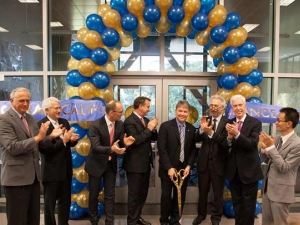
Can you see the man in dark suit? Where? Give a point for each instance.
(212, 160)
(56, 164)
(106, 134)
(243, 166)
(20, 174)
(283, 154)
(138, 158)
(177, 150)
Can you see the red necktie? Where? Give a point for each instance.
(240, 125)
(143, 121)
(25, 124)
(111, 133)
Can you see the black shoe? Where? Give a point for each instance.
(197, 220)
(141, 221)
(215, 223)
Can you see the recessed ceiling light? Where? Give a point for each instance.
(56, 24)
(3, 30)
(298, 32)
(264, 49)
(29, 1)
(249, 26)
(286, 2)
(34, 47)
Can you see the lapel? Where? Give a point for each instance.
(187, 133)
(103, 127)
(138, 120)
(285, 147)
(19, 122)
(221, 124)
(175, 129)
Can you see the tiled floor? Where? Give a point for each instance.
(294, 219)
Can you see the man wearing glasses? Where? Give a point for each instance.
(19, 136)
(106, 135)
(211, 160)
(283, 155)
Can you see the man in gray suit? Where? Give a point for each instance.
(20, 174)
(283, 154)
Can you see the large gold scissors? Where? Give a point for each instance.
(178, 181)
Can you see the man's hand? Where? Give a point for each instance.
(232, 129)
(128, 140)
(172, 173)
(187, 171)
(67, 135)
(152, 124)
(266, 140)
(115, 148)
(42, 132)
(74, 137)
(205, 128)
(56, 132)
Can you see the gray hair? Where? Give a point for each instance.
(183, 103)
(218, 97)
(48, 102)
(19, 89)
(235, 97)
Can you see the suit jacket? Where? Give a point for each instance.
(169, 146)
(243, 157)
(20, 158)
(100, 146)
(283, 170)
(56, 157)
(136, 158)
(214, 147)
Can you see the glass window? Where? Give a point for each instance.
(23, 25)
(58, 86)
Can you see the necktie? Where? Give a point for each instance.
(279, 144)
(215, 124)
(143, 121)
(25, 124)
(111, 133)
(240, 125)
(181, 132)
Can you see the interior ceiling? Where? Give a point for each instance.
(25, 20)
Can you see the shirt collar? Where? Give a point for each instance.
(108, 122)
(20, 115)
(287, 136)
(137, 115)
(243, 119)
(180, 123)
(51, 120)
(218, 118)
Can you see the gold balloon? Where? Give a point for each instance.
(86, 67)
(164, 6)
(102, 9)
(236, 37)
(144, 29)
(72, 91)
(254, 63)
(112, 19)
(83, 146)
(109, 68)
(84, 124)
(243, 66)
(193, 116)
(244, 89)
(81, 34)
(163, 25)
(108, 94)
(92, 39)
(136, 7)
(217, 16)
(72, 64)
(73, 197)
(183, 29)
(99, 93)
(113, 53)
(216, 51)
(202, 37)
(101, 196)
(256, 91)
(81, 175)
(125, 38)
(83, 198)
(226, 195)
(258, 193)
(128, 111)
(224, 68)
(190, 8)
(226, 94)
(86, 90)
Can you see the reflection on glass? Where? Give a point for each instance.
(58, 85)
(33, 84)
(126, 94)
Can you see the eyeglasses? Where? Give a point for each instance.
(278, 120)
(119, 111)
(215, 106)
(55, 108)
(22, 101)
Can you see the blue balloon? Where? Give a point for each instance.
(76, 211)
(219, 82)
(101, 100)
(178, 2)
(77, 159)
(99, 56)
(228, 209)
(199, 22)
(101, 184)
(229, 81)
(258, 208)
(206, 47)
(94, 22)
(217, 61)
(149, 2)
(129, 22)
(254, 77)
(75, 97)
(100, 209)
(79, 51)
(79, 130)
(120, 6)
(176, 14)
(172, 28)
(191, 35)
(227, 185)
(100, 80)
(74, 78)
(110, 37)
(134, 35)
(255, 100)
(218, 34)
(207, 6)
(151, 14)
(76, 186)
(231, 55)
(260, 184)
(247, 49)
(233, 21)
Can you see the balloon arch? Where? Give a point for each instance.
(116, 25)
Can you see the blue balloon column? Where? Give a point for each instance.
(116, 25)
